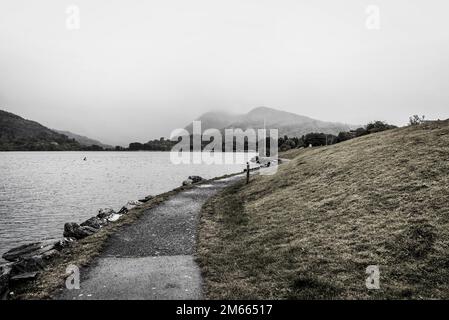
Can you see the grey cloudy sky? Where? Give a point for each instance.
(136, 69)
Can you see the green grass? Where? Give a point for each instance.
(310, 231)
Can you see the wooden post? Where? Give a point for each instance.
(247, 172)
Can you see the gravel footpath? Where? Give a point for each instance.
(153, 257)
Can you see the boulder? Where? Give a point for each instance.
(105, 213)
(146, 199)
(28, 250)
(129, 205)
(114, 217)
(123, 210)
(49, 254)
(5, 274)
(28, 260)
(89, 229)
(24, 276)
(64, 243)
(93, 222)
(15, 253)
(27, 265)
(132, 204)
(74, 230)
(104, 222)
(191, 180)
(196, 179)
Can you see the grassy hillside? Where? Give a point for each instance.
(310, 231)
(18, 134)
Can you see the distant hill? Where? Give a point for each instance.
(290, 124)
(215, 120)
(84, 141)
(19, 134)
(287, 123)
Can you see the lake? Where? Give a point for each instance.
(40, 191)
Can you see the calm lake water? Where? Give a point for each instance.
(40, 191)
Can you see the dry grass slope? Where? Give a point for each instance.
(310, 231)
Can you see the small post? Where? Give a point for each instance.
(247, 172)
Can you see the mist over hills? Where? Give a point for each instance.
(215, 120)
(19, 134)
(290, 124)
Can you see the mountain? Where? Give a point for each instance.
(19, 134)
(84, 141)
(290, 124)
(214, 120)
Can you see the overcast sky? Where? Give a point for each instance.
(136, 69)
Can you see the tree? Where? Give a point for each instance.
(378, 126)
(360, 132)
(415, 120)
(344, 135)
(135, 146)
(315, 139)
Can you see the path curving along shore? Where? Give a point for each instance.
(153, 257)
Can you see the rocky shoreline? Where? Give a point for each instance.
(24, 263)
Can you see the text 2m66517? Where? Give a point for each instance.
(252, 309)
